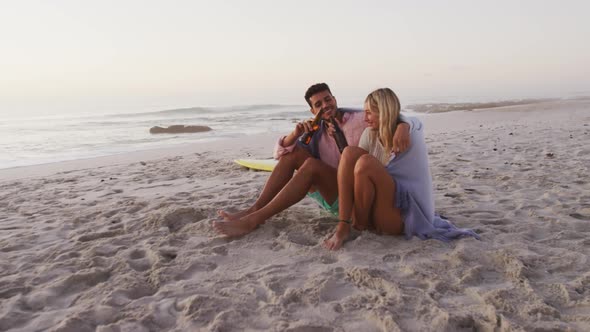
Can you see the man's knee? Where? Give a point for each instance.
(316, 168)
(311, 165)
(294, 159)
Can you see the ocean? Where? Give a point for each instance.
(38, 140)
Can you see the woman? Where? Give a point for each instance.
(388, 193)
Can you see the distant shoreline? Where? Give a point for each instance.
(467, 106)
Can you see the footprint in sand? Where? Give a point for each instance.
(10, 291)
(328, 260)
(391, 258)
(473, 191)
(65, 291)
(176, 219)
(135, 207)
(196, 268)
(372, 279)
(121, 297)
(310, 328)
(67, 255)
(168, 254)
(137, 254)
(141, 260)
(15, 247)
(112, 192)
(301, 239)
(482, 215)
(276, 246)
(115, 225)
(500, 221)
(579, 216)
(219, 250)
(100, 235)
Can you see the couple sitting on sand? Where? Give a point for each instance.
(380, 182)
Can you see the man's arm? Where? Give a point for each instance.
(291, 138)
(286, 144)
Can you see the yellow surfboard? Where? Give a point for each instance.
(258, 164)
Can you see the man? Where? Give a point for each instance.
(316, 164)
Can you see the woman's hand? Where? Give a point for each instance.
(401, 138)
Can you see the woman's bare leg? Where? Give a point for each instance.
(282, 173)
(374, 191)
(348, 160)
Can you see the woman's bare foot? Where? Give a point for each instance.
(335, 241)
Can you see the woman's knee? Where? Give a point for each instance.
(365, 165)
(352, 152)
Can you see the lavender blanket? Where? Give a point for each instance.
(414, 193)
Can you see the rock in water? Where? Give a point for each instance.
(178, 129)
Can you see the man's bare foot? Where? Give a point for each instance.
(233, 216)
(233, 228)
(335, 241)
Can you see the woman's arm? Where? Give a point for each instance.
(401, 138)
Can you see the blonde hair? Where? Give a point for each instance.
(385, 102)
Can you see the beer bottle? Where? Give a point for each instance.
(339, 136)
(315, 125)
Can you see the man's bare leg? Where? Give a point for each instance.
(349, 158)
(313, 172)
(280, 176)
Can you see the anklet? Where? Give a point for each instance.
(345, 221)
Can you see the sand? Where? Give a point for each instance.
(124, 243)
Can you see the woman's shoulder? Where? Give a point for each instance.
(365, 134)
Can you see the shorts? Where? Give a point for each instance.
(333, 209)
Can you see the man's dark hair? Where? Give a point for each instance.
(319, 87)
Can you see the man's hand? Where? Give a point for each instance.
(330, 127)
(300, 128)
(401, 138)
(307, 125)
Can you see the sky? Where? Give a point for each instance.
(124, 56)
